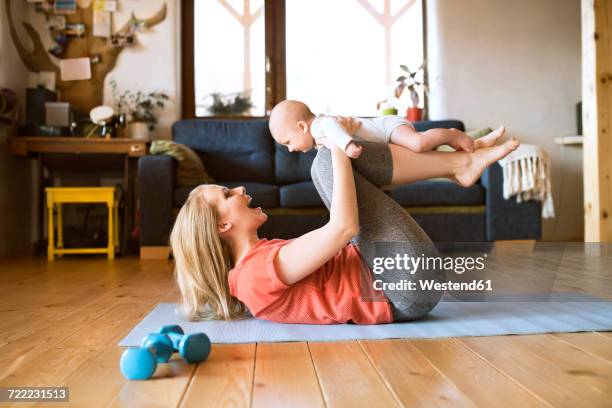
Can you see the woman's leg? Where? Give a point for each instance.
(386, 229)
(463, 167)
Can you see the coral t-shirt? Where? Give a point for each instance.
(340, 291)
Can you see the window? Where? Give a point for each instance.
(229, 55)
(340, 56)
(343, 56)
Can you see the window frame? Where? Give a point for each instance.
(276, 80)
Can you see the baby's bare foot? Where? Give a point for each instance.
(462, 142)
(490, 139)
(482, 158)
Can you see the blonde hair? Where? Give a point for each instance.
(202, 263)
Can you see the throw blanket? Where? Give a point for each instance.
(190, 170)
(527, 175)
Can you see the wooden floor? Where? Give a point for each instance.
(60, 324)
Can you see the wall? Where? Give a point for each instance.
(16, 197)
(152, 64)
(515, 63)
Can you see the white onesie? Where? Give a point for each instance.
(376, 129)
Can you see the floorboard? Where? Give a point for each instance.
(225, 380)
(347, 376)
(474, 376)
(412, 377)
(285, 377)
(590, 342)
(542, 377)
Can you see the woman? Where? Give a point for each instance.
(224, 270)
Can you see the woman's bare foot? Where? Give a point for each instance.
(482, 158)
(490, 139)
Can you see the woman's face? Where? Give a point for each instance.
(233, 209)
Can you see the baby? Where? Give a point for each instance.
(293, 125)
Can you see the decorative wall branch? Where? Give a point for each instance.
(36, 60)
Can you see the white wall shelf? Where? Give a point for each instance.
(570, 140)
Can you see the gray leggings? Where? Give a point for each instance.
(386, 229)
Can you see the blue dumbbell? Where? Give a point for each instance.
(139, 363)
(192, 347)
(160, 344)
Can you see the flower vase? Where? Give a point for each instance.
(414, 114)
(140, 131)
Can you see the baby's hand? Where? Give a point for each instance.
(349, 123)
(353, 150)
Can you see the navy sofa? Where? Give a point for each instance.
(242, 152)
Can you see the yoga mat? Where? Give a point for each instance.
(448, 319)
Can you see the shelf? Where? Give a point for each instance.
(569, 140)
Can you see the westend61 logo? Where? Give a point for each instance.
(412, 264)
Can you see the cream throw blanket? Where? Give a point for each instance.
(527, 175)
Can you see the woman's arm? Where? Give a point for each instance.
(307, 253)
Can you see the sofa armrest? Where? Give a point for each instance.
(156, 192)
(507, 219)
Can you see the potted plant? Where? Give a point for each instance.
(409, 82)
(140, 108)
(237, 103)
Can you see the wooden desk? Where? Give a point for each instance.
(58, 153)
(26, 145)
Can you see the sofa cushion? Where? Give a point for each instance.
(303, 194)
(436, 193)
(424, 125)
(453, 227)
(230, 149)
(292, 167)
(264, 195)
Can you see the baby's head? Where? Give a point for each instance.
(290, 125)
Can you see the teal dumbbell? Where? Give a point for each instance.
(160, 344)
(192, 347)
(140, 363)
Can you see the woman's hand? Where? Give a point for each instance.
(349, 123)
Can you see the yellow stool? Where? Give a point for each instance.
(61, 195)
